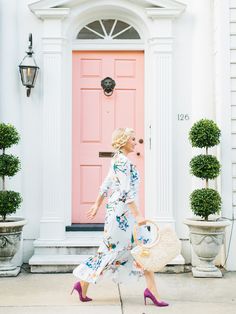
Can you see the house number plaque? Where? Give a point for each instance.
(183, 117)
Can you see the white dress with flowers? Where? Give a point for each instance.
(113, 257)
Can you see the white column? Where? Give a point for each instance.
(52, 224)
(161, 128)
(202, 70)
(202, 61)
(160, 190)
(223, 117)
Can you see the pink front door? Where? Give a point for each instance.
(96, 115)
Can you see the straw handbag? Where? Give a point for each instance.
(156, 255)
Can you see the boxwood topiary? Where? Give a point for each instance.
(8, 136)
(204, 133)
(9, 166)
(204, 202)
(9, 202)
(205, 166)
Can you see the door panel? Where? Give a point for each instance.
(95, 116)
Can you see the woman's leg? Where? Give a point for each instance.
(84, 285)
(151, 285)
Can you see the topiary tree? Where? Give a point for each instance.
(204, 134)
(9, 166)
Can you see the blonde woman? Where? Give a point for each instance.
(113, 257)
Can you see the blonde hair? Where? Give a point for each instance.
(120, 137)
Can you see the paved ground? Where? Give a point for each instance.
(50, 294)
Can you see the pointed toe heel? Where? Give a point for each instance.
(148, 294)
(78, 288)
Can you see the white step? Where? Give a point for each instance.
(55, 263)
(76, 243)
(64, 255)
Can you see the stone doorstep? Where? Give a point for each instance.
(55, 263)
(66, 263)
(64, 255)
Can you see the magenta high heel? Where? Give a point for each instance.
(78, 288)
(148, 294)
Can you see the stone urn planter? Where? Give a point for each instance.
(10, 238)
(206, 238)
(206, 235)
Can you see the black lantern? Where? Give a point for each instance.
(28, 68)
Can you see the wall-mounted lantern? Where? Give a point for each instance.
(28, 68)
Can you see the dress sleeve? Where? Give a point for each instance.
(104, 188)
(122, 172)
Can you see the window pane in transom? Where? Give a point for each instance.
(87, 34)
(120, 26)
(129, 33)
(108, 29)
(96, 26)
(108, 25)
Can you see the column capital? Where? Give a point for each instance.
(55, 13)
(161, 44)
(167, 13)
(53, 44)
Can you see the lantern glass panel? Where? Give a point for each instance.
(28, 75)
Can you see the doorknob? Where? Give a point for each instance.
(140, 141)
(138, 154)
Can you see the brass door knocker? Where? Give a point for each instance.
(108, 85)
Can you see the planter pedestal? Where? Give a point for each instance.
(10, 237)
(10, 273)
(206, 238)
(205, 272)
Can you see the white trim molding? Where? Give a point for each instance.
(160, 4)
(57, 13)
(163, 13)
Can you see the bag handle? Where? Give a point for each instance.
(146, 245)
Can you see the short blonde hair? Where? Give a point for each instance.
(120, 137)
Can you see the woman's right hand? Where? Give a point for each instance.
(92, 211)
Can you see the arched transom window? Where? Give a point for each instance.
(108, 29)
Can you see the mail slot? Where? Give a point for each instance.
(106, 154)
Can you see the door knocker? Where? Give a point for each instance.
(108, 84)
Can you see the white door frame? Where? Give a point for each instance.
(60, 26)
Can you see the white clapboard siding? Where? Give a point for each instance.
(233, 28)
(233, 98)
(233, 53)
(233, 112)
(233, 92)
(233, 127)
(233, 39)
(233, 84)
(234, 169)
(234, 198)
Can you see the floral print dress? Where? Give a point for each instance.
(113, 258)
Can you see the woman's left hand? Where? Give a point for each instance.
(140, 220)
(92, 212)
